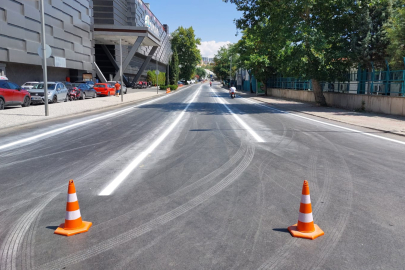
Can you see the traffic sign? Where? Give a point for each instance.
(48, 51)
(157, 72)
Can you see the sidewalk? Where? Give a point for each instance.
(381, 122)
(17, 116)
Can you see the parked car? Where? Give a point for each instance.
(57, 91)
(84, 90)
(144, 84)
(104, 89)
(12, 94)
(28, 85)
(123, 87)
(180, 82)
(90, 83)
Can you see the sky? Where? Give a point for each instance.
(212, 20)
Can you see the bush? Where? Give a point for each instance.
(173, 87)
(163, 87)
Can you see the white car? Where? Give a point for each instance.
(28, 85)
(192, 81)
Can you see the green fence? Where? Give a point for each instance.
(385, 82)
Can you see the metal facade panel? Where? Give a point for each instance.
(67, 21)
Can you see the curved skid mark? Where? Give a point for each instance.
(155, 223)
(13, 240)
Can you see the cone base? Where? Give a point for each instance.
(84, 228)
(315, 234)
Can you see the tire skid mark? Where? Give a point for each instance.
(282, 255)
(14, 238)
(155, 223)
(226, 166)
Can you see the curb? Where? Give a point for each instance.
(82, 113)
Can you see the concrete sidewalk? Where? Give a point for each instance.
(18, 116)
(381, 122)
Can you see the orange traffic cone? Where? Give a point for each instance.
(167, 90)
(305, 228)
(73, 220)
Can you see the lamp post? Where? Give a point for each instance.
(230, 71)
(44, 69)
(121, 71)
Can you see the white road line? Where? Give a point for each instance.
(134, 163)
(58, 130)
(324, 123)
(240, 121)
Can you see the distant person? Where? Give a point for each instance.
(210, 84)
(232, 90)
(117, 89)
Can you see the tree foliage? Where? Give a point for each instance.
(151, 77)
(185, 43)
(174, 68)
(306, 39)
(222, 62)
(395, 28)
(200, 72)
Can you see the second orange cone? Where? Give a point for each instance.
(73, 220)
(305, 228)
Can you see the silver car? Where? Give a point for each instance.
(57, 91)
(123, 87)
(28, 85)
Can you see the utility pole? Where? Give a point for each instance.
(230, 72)
(121, 72)
(157, 77)
(44, 69)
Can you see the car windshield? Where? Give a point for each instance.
(99, 85)
(76, 84)
(41, 86)
(29, 83)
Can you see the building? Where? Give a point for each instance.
(207, 60)
(84, 36)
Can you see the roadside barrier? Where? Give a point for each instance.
(73, 220)
(305, 228)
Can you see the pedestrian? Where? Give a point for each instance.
(117, 89)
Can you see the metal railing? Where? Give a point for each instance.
(384, 82)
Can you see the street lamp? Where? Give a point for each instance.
(230, 71)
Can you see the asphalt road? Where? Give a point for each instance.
(195, 180)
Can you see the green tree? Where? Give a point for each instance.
(185, 43)
(222, 62)
(396, 33)
(174, 68)
(200, 72)
(308, 39)
(151, 77)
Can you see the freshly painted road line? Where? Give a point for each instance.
(134, 163)
(324, 123)
(58, 130)
(240, 121)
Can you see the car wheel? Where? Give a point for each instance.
(95, 95)
(1, 104)
(27, 102)
(55, 99)
(84, 96)
(66, 98)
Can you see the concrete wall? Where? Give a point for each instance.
(377, 104)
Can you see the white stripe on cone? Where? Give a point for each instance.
(72, 215)
(305, 199)
(306, 218)
(71, 197)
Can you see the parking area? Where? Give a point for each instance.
(13, 116)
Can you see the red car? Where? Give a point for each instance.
(104, 89)
(12, 94)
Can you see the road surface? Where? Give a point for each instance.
(196, 180)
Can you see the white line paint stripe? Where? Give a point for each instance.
(305, 199)
(72, 215)
(328, 124)
(71, 197)
(240, 121)
(55, 131)
(134, 163)
(305, 217)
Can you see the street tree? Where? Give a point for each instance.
(395, 28)
(222, 62)
(185, 43)
(309, 38)
(200, 72)
(174, 68)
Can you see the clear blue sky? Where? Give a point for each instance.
(212, 20)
